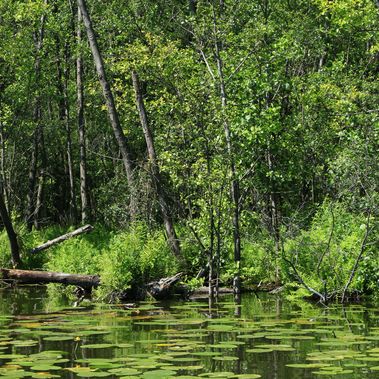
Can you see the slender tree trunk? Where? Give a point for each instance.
(274, 217)
(64, 116)
(81, 127)
(3, 172)
(15, 249)
(155, 172)
(70, 163)
(32, 177)
(41, 181)
(234, 190)
(109, 100)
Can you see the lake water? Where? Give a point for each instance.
(265, 336)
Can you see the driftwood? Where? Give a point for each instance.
(46, 245)
(86, 282)
(163, 288)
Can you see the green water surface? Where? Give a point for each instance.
(263, 337)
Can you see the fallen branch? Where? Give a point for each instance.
(321, 297)
(46, 245)
(38, 277)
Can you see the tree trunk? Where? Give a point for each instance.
(234, 190)
(37, 277)
(274, 216)
(32, 177)
(109, 100)
(4, 178)
(15, 249)
(64, 237)
(64, 115)
(155, 172)
(70, 164)
(39, 199)
(41, 180)
(81, 128)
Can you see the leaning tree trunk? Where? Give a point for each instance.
(15, 249)
(111, 107)
(155, 172)
(81, 127)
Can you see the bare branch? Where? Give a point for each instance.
(359, 257)
(301, 281)
(207, 64)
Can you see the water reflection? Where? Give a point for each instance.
(247, 337)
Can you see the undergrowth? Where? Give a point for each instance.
(323, 254)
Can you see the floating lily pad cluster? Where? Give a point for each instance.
(189, 340)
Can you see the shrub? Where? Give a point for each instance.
(335, 237)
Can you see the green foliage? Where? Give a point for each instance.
(119, 258)
(300, 101)
(78, 255)
(5, 256)
(258, 263)
(325, 254)
(194, 283)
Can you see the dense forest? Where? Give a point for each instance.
(236, 141)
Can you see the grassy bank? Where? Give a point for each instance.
(323, 255)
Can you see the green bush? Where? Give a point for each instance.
(5, 256)
(334, 237)
(136, 256)
(258, 263)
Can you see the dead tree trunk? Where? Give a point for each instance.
(64, 237)
(109, 100)
(163, 288)
(81, 127)
(37, 277)
(15, 249)
(155, 172)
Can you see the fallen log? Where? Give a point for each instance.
(86, 282)
(164, 287)
(64, 237)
